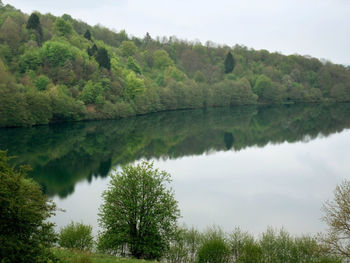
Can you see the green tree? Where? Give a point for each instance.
(139, 211)
(76, 236)
(262, 85)
(30, 60)
(41, 82)
(56, 53)
(229, 63)
(25, 233)
(128, 48)
(91, 92)
(134, 86)
(87, 34)
(63, 27)
(132, 64)
(162, 59)
(34, 24)
(103, 59)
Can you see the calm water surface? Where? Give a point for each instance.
(245, 166)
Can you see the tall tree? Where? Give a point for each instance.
(103, 59)
(87, 34)
(33, 21)
(229, 63)
(34, 24)
(139, 212)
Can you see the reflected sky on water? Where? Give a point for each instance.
(279, 185)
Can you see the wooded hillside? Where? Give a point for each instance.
(62, 69)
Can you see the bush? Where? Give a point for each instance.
(214, 250)
(77, 236)
(41, 82)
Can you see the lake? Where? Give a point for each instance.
(248, 167)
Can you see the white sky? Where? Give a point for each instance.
(320, 28)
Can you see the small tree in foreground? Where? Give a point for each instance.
(25, 234)
(77, 236)
(337, 216)
(139, 212)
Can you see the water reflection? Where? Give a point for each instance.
(64, 154)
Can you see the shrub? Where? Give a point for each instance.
(76, 235)
(41, 82)
(214, 250)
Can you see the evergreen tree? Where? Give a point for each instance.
(229, 63)
(87, 34)
(33, 22)
(92, 51)
(103, 59)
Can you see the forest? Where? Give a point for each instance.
(55, 69)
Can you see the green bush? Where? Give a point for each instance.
(41, 82)
(77, 236)
(214, 250)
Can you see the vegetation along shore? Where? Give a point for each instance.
(55, 69)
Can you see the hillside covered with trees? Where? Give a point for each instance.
(61, 69)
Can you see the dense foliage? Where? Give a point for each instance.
(139, 213)
(61, 69)
(76, 236)
(25, 234)
(215, 246)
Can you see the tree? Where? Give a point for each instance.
(337, 216)
(128, 48)
(162, 59)
(33, 22)
(229, 63)
(63, 27)
(41, 82)
(139, 212)
(87, 34)
(25, 233)
(103, 59)
(134, 86)
(56, 53)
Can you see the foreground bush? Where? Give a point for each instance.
(25, 234)
(77, 236)
(214, 251)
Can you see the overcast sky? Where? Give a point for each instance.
(320, 28)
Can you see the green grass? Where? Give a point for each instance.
(74, 256)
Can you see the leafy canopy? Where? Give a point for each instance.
(25, 233)
(139, 211)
